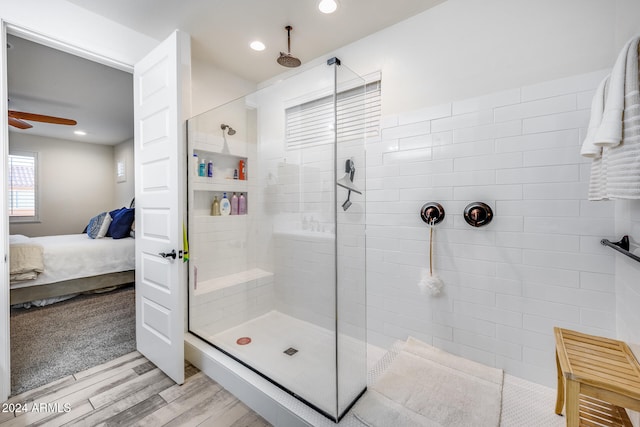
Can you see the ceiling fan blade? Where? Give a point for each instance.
(41, 118)
(19, 123)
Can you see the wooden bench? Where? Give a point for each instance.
(597, 378)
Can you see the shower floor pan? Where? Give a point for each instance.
(298, 356)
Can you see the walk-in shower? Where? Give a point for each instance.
(280, 286)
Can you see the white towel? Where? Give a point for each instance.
(615, 172)
(623, 82)
(589, 148)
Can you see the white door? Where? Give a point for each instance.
(161, 107)
(5, 349)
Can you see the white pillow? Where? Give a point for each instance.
(99, 225)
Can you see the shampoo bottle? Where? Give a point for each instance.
(234, 204)
(196, 165)
(202, 169)
(225, 206)
(241, 174)
(242, 205)
(210, 169)
(215, 207)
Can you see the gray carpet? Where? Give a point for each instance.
(51, 342)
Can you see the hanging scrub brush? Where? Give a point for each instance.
(432, 283)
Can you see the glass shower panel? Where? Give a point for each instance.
(265, 287)
(351, 119)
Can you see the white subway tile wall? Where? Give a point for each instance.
(539, 264)
(627, 273)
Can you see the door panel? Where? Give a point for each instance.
(160, 151)
(5, 349)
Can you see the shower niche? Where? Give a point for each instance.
(281, 290)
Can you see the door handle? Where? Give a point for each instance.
(171, 254)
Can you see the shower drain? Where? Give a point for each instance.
(290, 351)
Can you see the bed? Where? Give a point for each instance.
(45, 269)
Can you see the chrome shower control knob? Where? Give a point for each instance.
(432, 213)
(478, 214)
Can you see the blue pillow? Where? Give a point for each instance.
(121, 224)
(98, 225)
(112, 214)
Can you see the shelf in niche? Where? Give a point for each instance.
(217, 150)
(220, 185)
(247, 277)
(204, 218)
(224, 165)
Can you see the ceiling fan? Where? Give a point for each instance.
(18, 119)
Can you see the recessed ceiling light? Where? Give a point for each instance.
(80, 132)
(257, 45)
(328, 6)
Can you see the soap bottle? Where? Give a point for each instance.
(241, 174)
(234, 204)
(215, 207)
(196, 164)
(225, 205)
(242, 205)
(202, 170)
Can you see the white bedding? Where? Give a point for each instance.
(73, 256)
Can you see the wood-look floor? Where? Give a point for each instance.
(128, 391)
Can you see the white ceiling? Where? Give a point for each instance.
(46, 81)
(221, 30)
(43, 80)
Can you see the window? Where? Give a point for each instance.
(311, 124)
(23, 187)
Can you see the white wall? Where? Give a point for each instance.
(539, 264)
(464, 48)
(124, 191)
(627, 285)
(76, 182)
(211, 87)
(627, 271)
(488, 101)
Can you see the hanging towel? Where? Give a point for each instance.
(615, 171)
(623, 84)
(589, 148)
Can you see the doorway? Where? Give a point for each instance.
(162, 79)
(77, 174)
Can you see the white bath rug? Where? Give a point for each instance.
(425, 386)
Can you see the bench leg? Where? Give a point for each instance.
(560, 393)
(572, 391)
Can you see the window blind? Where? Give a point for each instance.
(358, 116)
(22, 186)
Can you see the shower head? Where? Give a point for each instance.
(286, 59)
(230, 130)
(347, 180)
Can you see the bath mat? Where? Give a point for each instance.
(425, 386)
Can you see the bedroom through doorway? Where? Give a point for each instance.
(71, 213)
